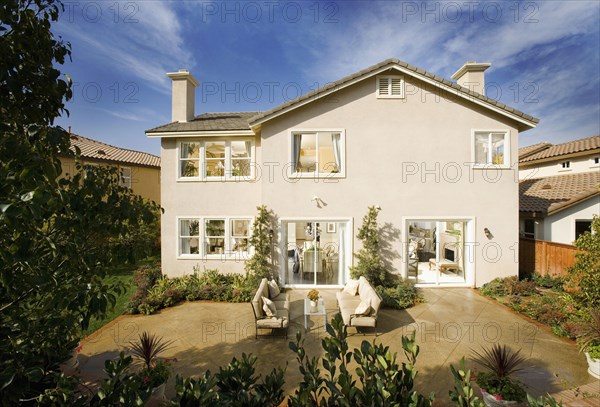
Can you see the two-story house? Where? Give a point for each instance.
(139, 171)
(559, 189)
(438, 157)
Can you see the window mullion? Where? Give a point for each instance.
(228, 165)
(490, 147)
(316, 171)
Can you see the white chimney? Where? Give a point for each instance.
(471, 76)
(183, 99)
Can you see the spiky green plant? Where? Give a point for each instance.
(588, 333)
(148, 347)
(502, 362)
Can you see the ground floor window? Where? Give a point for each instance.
(435, 251)
(217, 237)
(529, 231)
(315, 253)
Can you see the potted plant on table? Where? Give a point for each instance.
(155, 372)
(313, 296)
(588, 338)
(497, 386)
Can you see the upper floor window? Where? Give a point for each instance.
(318, 153)
(125, 176)
(565, 165)
(491, 148)
(391, 86)
(596, 160)
(216, 160)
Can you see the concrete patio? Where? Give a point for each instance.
(449, 324)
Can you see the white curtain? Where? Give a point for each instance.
(297, 146)
(335, 139)
(249, 148)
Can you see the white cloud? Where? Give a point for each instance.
(145, 42)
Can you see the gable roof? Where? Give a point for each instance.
(549, 195)
(557, 150)
(245, 121)
(94, 149)
(527, 120)
(532, 149)
(209, 122)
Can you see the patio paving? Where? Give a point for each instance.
(448, 325)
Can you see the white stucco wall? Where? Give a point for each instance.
(560, 227)
(409, 156)
(579, 164)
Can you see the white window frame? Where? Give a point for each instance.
(126, 180)
(228, 173)
(203, 239)
(390, 94)
(321, 175)
(489, 164)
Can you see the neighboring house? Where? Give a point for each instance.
(559, 189)
(437, 158)
(139, 171)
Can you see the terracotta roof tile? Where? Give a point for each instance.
(549, 195)
(534, 148)
(570, 147)
(101, 151)
(209, 122)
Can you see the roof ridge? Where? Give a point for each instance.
(110, 145)
(395, 61)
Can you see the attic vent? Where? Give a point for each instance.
(101, 152)
(547, 186)
(390, 87)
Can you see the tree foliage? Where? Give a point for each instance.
(585, 273)
(57, 235)
(260, 264)
(370, 264)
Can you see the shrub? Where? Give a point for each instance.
(495, 288)
(144, 278)
(585, 273)
(547, 281)
(401, 296)
(208, 285)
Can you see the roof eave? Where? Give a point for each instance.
(526, 123)
(204, 133)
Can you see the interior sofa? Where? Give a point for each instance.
(281, 314)
(348, 304)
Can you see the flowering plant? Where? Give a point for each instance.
(313, 295)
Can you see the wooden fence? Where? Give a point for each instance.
(545, 257)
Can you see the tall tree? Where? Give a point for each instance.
(260, 264)
(370, 264)
(56, 234)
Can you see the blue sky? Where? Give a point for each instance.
(254, 55)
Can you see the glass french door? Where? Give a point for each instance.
(435, 251)
(315, 253)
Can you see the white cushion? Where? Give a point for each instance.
(351, 287)
(363, 308)
(273, 289)
(269, 307)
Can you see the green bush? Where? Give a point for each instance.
(585, 273)
(403, 295)
(495, 288)
(547, 281)
(155, 291)
(500, 287)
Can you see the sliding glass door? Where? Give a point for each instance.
(315, 253)
(435, 251)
